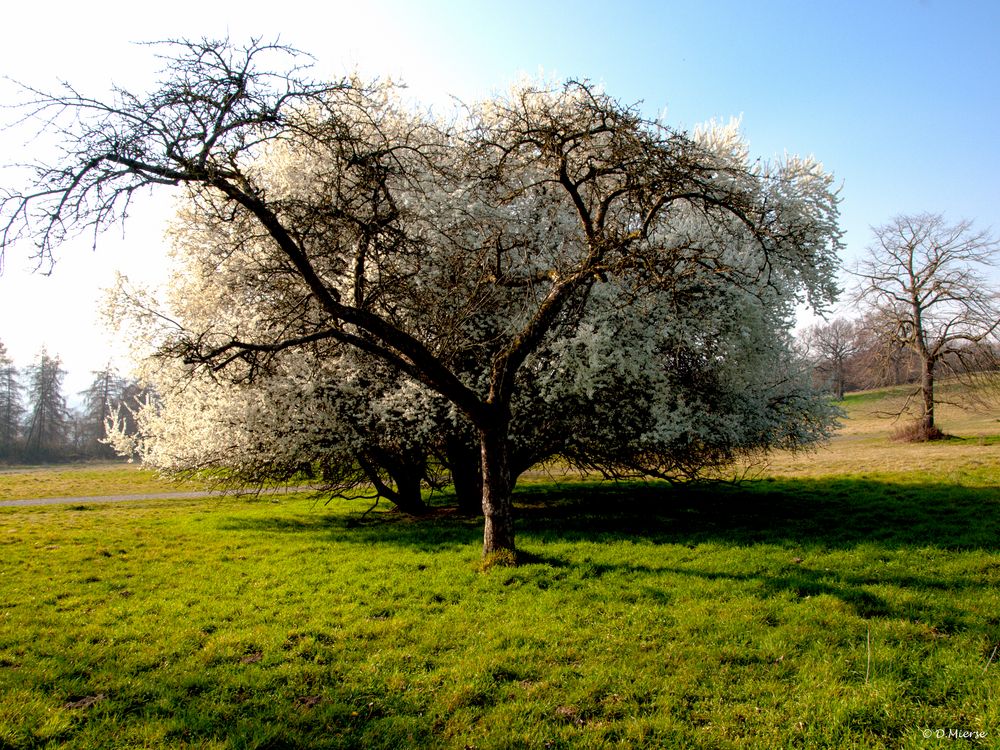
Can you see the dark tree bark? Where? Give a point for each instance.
(498, 504)
(927, 397)
(465, 466)
(405, 492)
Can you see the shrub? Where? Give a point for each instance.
(917, 432)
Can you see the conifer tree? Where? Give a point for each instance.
(47, 427)
(101, 401)
(11, 406)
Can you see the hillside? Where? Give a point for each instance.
(863, 446)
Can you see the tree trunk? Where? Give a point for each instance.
(465, 465)
(498, 507)
(409, 497)
(406, 495)
(927, 391)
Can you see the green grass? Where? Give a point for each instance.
(642, 616)
(849, 598)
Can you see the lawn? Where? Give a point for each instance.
(809, 609)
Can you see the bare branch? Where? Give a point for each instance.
(920, 279)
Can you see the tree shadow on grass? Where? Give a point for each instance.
(806, 517)
(438, 530)
(831, 513)
(826, 513)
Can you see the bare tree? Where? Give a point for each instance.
(832, 346)
(922, 284)
(880, 361)
(396, 192)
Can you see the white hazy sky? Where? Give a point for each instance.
(899, 98)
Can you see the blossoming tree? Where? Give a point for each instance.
(467, 258)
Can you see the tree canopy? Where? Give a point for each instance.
(541, 247)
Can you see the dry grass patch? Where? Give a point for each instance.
(86, 480)
(864, 445)
(917, 432)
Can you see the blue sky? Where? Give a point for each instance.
(899, 99)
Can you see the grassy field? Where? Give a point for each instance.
(848, 599)
(85, 480)
(862, 449)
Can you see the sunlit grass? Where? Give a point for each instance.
(642, 616)
(863, 447)
(965, 410)
(847, 599)
(85, 480)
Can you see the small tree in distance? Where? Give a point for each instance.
(100, 403)
(921, 284)
(832, 346)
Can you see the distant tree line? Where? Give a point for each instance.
(38, 426)
(854, 355)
